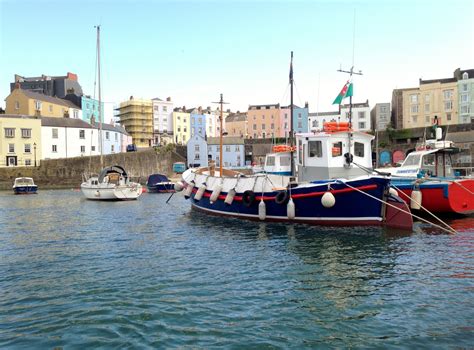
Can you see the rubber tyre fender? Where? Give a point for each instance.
(248, 198)
(282, 197)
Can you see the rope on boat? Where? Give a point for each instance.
(464, 187)
(403, 211)
(422, 207)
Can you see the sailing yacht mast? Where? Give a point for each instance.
(221, 133)
(100, 99)
(291, 118)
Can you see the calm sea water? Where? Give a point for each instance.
(146, 274)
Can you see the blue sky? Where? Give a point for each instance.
(194, 50)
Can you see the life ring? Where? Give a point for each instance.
(248, 198)
(282, 197)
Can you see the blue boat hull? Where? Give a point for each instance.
(351, 207)
(161, 188)
(25, 190)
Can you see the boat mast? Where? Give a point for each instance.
(100, 98)
(221, 102)
(291, 118)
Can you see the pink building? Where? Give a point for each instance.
(263, 121)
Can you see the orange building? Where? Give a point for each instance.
(263, 121)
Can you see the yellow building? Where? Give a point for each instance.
(20, 141)
(236, 125)
(26, 102)
(181, 126)
(136, 116)
(433, 98)
(263, 121)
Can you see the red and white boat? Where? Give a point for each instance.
(428, 180)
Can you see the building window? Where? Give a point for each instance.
(414, 99)
(464, 87)
(263, 126)
(448, 116)
(255, 126)
(300, 125)
(82, 134)
(299, 115)
(55, 133)
(83, 149)
(51, 108)
(92, 148)
(414, 119)
(38, 105)
(179, 129)
(465, 76)
(196, 156)
(54, 148)
(361, 125)
(155, 108)
(414, 109)
(27, 161)
(448, 94)
(107, 135)
(11, 148)
(465, 109)
(76, 113)
(315, 149)
(196, 148)
(27, 148)
(17, 104)
(383, 109)
(286, 115)
(361, 115)
(227, 148)
(464, 98)
(448, 105)
(112, 148)
(237, 148)
(116, 137)
(10, 132)
(26, 133)
(427, 107)
(184, 129)
(358, 149)
(165, 109)
(427, 119)
(272, 126)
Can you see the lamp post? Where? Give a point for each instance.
(34, 149)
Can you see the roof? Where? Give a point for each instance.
(322, 114)
(268, 106)
(236, 117)
(46, 98)
(65, 122)
(225, 140)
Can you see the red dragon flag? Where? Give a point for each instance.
(345, 92)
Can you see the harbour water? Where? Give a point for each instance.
(146, 274)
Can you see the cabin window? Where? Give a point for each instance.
(315, 149)
(412, 160)
(336, 149)
(270, 161)
(359, 149)
(429, 159)
(285, 161)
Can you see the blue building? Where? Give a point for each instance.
(196, 151)
(233, 151)
(300, 119)
(90, 108)
(198, 122)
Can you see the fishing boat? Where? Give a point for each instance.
(159, 183)
(24, 185)
(112, 183)
(428, 181)
(325, 189)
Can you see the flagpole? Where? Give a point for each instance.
(291, 118)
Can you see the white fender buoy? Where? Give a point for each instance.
(393, 191)
(178, 187)
(189, 190)
(215, 193)
(328, 200)
(290, 209)
(415, 199)
(200, 192)
(230, 197)
(262, 210)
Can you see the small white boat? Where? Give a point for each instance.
(24, 185)
(113, 183)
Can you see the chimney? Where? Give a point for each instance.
(168, 99)
(306, 104)
(131, 97)
(200, 109)
(17, 85)
(71, 76)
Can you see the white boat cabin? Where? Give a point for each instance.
(329, 155)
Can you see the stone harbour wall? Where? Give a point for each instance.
(68, 173)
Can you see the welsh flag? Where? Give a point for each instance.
(345, 92)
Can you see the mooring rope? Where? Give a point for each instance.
(404, 211)
(422, 207)
(462, 186)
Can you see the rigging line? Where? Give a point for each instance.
(285, 94)
(353, 38)
(298, 93)
(433, 215)
(403, 211)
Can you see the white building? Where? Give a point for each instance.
(233, 151)
(197, 151)
(162, 120)
(66, 138)
(316, 120)
(360, 116)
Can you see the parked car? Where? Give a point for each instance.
(131, 148)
